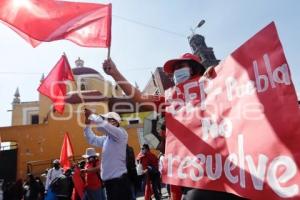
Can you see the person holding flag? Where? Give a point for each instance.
(182, 69)
(113, 160)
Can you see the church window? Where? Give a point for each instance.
(82, 86)
(34, 119)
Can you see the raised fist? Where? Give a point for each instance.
(87, 113)
(109, 67)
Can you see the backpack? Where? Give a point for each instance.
(55, 184)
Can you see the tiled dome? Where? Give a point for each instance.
(84, 70)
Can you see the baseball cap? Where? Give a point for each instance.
(112, 115)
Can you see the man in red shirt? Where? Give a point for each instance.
(93, 188)
(149, 162)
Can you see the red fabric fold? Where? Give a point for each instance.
(54, 85)
(86, 24)
(66, 152)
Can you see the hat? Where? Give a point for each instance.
(112, 115)
(90, 152)
(169, 65)
(56, 161)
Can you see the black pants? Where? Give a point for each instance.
(118, 188)
(156, 186)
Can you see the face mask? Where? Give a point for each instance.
(181, 75)
(56, 166)
(91, 159)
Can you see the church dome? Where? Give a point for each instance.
(81, 70)
(84, 70)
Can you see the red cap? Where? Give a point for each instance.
(169, 65)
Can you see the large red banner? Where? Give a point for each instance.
(239, 131)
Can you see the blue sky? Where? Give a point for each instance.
(147, 33)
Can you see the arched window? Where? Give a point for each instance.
(82, 86)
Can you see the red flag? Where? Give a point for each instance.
(86, 24)
(238, 132)
(66, 152)
(54, 86)
(78, 182)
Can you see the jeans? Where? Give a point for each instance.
(94, 194)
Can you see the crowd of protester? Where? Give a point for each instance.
(30, 189)
(57, 183)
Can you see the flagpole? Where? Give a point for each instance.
(108, 53)
(108, 34)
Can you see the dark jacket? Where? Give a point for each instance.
(32, 190)
(62, 186)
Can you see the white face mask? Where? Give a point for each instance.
(144, 151)
(181, 75)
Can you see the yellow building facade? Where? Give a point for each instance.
(38, 131)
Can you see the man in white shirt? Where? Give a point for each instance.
(53, 173)
(113, 160)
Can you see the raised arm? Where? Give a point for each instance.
(88, 132)
(110, 68)
(92, 138)
(114, 132)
